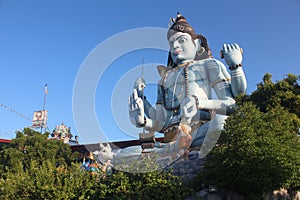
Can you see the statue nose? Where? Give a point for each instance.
(175, 44)
(175, 47)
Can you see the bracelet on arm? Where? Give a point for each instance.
(142, 125)
(233, 67)
(197, 101)
(183, 120)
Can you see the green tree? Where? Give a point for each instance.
(152, 184)
(285, 93)
(258, 151)
(30, 171)
(48, 182)
(30, 145)
(33, 167)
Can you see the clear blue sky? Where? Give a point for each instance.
(49, 41)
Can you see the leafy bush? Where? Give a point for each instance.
(256, 153)
(33, 167)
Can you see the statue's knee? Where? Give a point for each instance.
(219, 121)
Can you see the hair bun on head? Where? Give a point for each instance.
(181, 25)
(180, 18)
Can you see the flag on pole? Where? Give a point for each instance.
(46, 89)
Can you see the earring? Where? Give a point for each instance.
(201, 51)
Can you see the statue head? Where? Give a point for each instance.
(105, 153)
(198, 49)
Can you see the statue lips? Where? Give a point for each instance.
(177, 51)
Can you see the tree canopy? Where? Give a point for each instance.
(284, 93)
(33, 167)
(30, 145)
(259, 150)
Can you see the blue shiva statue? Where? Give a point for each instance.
(185, 112)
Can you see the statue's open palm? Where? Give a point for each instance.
(136, 109)
(232, 54)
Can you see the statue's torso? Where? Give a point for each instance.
(175, 87)
(179, 82)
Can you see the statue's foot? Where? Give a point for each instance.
(183, 140)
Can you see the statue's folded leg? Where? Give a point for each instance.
(208, 134)
(206, 137)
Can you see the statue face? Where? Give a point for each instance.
(182, 47)
(104, 154)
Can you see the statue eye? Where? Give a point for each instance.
(182, 40)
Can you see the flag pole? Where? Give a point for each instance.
(44, 103)
(46, 92)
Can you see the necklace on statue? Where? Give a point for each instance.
(165, 91)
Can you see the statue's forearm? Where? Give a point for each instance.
(149, 109)
(238, 82)
(155, 119)
(153, 125)
(225, 106)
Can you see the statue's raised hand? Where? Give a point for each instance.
(136, 109)
(232, 54)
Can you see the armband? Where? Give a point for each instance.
(233, 67)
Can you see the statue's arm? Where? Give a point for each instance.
(142, 113)
(220, 81)
(139, 86)
(155, 124)
(223, 106)
(156, 118)
(232, 54)
(238, 81)
(226, 86)
(149, 109)
(217, 77)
